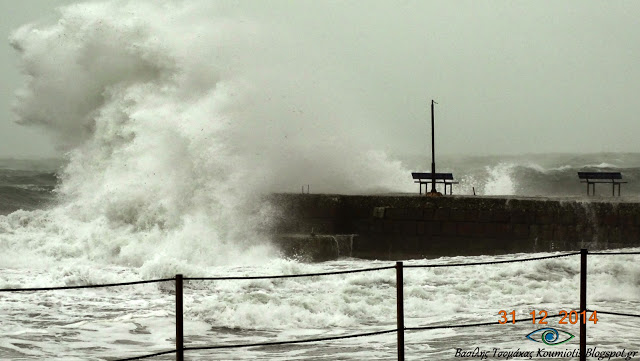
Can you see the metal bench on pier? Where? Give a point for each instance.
(591, 178)
(440, 178)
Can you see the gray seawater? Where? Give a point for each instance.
(99, 324)
(26, 184)
(120, 322)
(545, 175)
(30, 184)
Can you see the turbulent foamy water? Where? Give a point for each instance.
(134, 320)
(175, 118)
(39, 250)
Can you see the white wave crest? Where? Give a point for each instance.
(500, 180)
(176, 117)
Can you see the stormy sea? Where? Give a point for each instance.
(173, 123)
(44, 246)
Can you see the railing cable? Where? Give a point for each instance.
(285, 276)
(147, 356)
(615, 313)
(83, 286)
(421, 328)
(489, 262)
(290, 342)
(611, 253)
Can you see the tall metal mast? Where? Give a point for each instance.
(433, 152)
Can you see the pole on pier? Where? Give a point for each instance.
(400, 309)
(179, 320)
(433, 151)
(583, 304)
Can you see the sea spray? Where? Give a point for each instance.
(500, 181)
(176, 117)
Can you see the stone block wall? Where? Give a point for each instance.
(400, 227)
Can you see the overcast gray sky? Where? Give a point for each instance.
(15, 140)
(509, 77)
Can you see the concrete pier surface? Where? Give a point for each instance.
(404, 226)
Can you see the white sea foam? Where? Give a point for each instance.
(602, 165)
(177, 116)
(96, 322)
(500, 180)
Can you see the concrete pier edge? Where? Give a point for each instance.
(326, 226)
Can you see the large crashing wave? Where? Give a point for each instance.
(175, 118)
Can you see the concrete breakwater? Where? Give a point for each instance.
(323, 226)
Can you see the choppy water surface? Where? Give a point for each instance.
(180, 117)
(96, 324)
(47, 244)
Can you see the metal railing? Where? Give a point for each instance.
(399, 330)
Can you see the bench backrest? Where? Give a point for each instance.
(599, 175)
(417, 175)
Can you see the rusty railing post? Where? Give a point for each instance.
(400, 309)
(179, 320)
